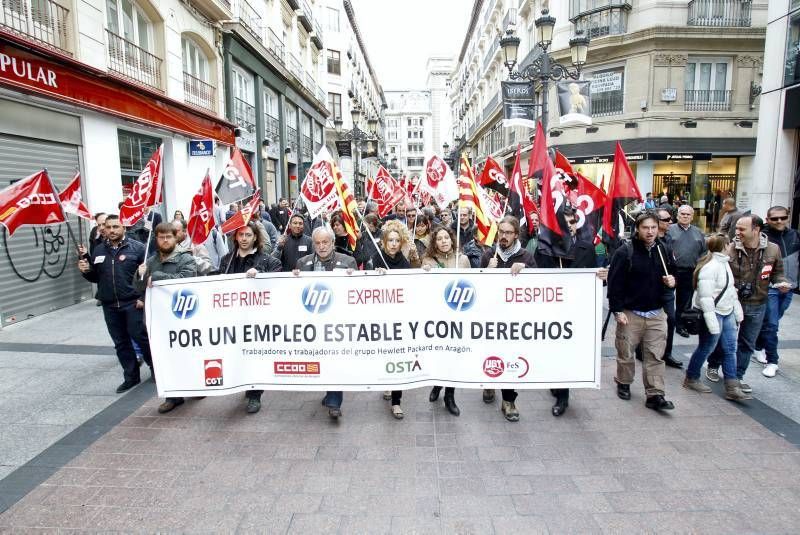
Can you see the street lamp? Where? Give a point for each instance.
(357, 135)
(544, 68)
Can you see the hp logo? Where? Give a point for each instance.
(184, 304)
(459, 295)
(317, 298)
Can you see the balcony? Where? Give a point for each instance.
(42, 21)
(316, 35)
(599, 18)
(250, 19)
(490, 107)
(291, 134)
(271, 127)
(719, 13)
(244, 114)
(310, 83)
(296, 68)
(294, 4)
(198, 93)
(320, 94)
(133, 62)
(304, 16)
(707, 100)
(510, 19)
(607, 103)
(276, 46)
(487, 59)
(214, 9)
(307, 147)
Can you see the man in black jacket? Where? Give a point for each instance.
(280, 214)
(112, 266)
(293, 245)
(508, 254)
(580, 255)
(638, 274)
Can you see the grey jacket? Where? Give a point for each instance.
(178, 265)
(687, 245)
(340, 261)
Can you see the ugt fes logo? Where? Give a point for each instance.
(460, 295)
(184, 304)
(317, 298)
(213, 372)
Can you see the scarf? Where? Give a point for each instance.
(508, 253)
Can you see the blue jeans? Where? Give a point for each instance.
(777, 303)
(333, 400)
(748, 334)
(724, 343)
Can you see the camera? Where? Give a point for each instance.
(745, 290)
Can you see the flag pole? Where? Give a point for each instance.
(70, 233)
(458, 214)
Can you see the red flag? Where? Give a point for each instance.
(237, 180)
(561, 162)
(201, 220)
(589, 207)
(519, 198)
(242, 217)
(473, 196)
(146, 191)
(439, 181)
(349, 208)
(30, 201)
(622, 189)
(385, 191)
(492, 174)
(71, 200)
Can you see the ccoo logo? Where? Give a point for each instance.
(317, 298)
(184, 304)
(459, 295)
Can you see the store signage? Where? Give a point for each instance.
(201, 147)
(69, 81)
(632, 157)
(519, 104)
(679, 156)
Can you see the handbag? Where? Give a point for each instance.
(692, 317)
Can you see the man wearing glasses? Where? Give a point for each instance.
(688, 245)
(778, 301)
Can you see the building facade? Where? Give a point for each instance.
(778, 151)
(352, 83)
(274, 77)
(438, 71)
(95, 87)
(677, 85)
(409, 130)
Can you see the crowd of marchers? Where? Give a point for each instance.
(730, 288)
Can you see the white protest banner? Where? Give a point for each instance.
(332, 331)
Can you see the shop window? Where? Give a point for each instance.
(608, 92)
(135, 151)
(792, 65)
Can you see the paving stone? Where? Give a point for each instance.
(519, 525)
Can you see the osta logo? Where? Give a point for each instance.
(184, 304)
(317, 298)
(459, 295)
(213, 372)
(296, 368)
(493, 367)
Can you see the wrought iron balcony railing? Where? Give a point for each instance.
(276, 46)
(244, 114)
(133, 62)
(719, 13)
(250, 19)
(607, 103)
(707, 100)
(43, 21)
(199, 93)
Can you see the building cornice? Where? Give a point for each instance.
(473, 20)
(351, 15)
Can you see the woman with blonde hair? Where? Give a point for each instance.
(715, 294)
(395, 238)
(441, 254)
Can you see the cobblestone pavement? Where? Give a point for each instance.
(605, 466)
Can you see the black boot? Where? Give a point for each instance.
(434, 395)
(450, 403)
(672, 363)
(623, 391)
(560, 407)
(658, 403)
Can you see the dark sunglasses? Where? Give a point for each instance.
(779, 218)
(665, 219)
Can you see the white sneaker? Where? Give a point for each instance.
(770, 370)
(760, 357)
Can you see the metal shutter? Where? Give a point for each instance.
(38, 271)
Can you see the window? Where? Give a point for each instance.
(608, 92)
(706, 83)
(242, 86)
(392, 149)
(135, 151)
(194, 60)
(128, 21)
(393, 123)
(392, 135)
(334, 62)
(335, 105)
(271, 124)
(415, 162)
(333, 19)
(791, 68)
(598, 18)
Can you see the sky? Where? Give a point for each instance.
(400, 36)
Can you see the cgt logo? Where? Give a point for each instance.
(296, 368)
(317, 298)
(459, 295)
(213, 371)
(495, 366)
(184, 304)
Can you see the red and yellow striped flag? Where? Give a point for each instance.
(349, 207)
(470, 197)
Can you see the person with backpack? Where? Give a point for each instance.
(639, 272)
(715, 295)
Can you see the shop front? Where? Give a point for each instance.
(67, 117)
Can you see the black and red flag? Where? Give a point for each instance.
(493, 177)
(519, 199)
(622, 189)
(585, 198)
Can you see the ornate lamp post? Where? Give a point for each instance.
(357, 135)
(545, 69)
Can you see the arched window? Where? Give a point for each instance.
(194, 60)
(198, 88)
(131, 43)
(127, 20)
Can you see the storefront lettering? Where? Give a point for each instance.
(27, 70)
